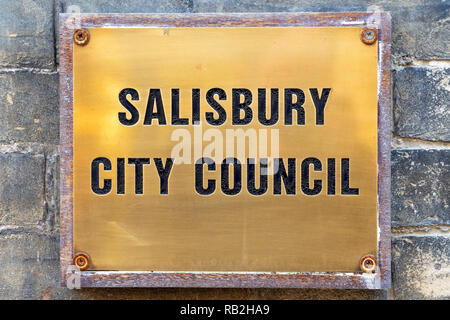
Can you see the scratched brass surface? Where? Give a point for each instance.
(183, 231)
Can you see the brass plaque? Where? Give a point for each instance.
(225, 149)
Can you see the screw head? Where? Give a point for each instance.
(368, 264)
(368, 35)
(81, 37)
(81, 260)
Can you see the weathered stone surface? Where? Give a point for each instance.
(21, 189)
(29, 265)
(52, 189)
(421, 103)
(29, 109)
(420, 187)
(123, 6)
(26, 33)
(420, 29)
(421, 267)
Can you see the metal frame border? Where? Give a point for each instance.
(381, 279)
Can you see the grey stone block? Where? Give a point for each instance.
(21, 189)
(29, 265)
(124, 6)
(420, 29)
(29, 110)
(52, 190)
(420, 187)
(421, 267)
(27, 33)
(421, 103)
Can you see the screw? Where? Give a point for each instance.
(81, 37)
(368, 35)
(81, 260)
(368, 264)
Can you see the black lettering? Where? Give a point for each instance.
(289, 106)
(127, 105)
(262, 108)
(237, 174)
(317, 165)
(216, 106)
(138, 173)
(319, 103)
(238, 106)
(164, 172)
(251, 187)
(120, 176)
(176, 120)
(288, 178)
(95, 175)
(196, 106)
(155, 96)
(199, 176)
(345, 178)
(331, 166)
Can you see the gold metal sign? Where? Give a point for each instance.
(237, 149)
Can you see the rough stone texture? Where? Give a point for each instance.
(420, 187)
(123, 6)
(26, 33)
(21, 189)
(421, 103)
(29, 109)
(29, 265)
(52, 189)
(420, 29)
(421, 267)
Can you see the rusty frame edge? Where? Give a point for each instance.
(66, 149)
(380, 280)
(384, 150)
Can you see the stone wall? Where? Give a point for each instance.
(29, 137)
